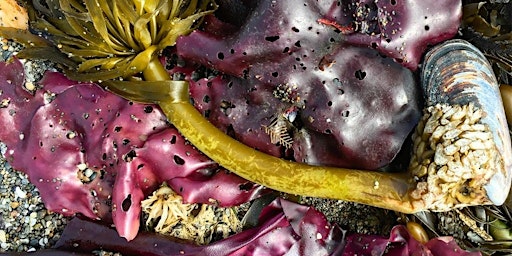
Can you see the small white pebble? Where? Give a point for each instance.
(32, 219)
(18, 193)
(3, 237)
(82, 166)
(43, 241)
(30, 86)
(88, 172)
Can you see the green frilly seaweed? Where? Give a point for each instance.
(111, 39)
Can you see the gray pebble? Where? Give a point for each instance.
(33, 242)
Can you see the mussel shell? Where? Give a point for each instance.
(456, 72)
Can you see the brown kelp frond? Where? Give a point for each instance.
(472, 16)
(485, 25)
(111, 39)
(37, 47)
(499, 54)
(151, 92)
(23, 36)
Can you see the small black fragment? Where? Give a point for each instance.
(148, 109)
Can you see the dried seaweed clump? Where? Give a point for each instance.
(111, 39)
(199, 223)
(454, 157)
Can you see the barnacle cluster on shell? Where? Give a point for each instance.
(454, 156)
(462, 151)
(199, 223)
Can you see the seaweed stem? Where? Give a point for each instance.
(385, 190)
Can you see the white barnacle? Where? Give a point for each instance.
(462, 142)
(438, 132)
(478, 127)
(477, 135)
(459, 114)
(439, 157)
(451, 134)
(476, 116)
(450, 150)
(432, 123)
(448, 111)
(477, 144)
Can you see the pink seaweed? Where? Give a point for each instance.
(124, 150)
